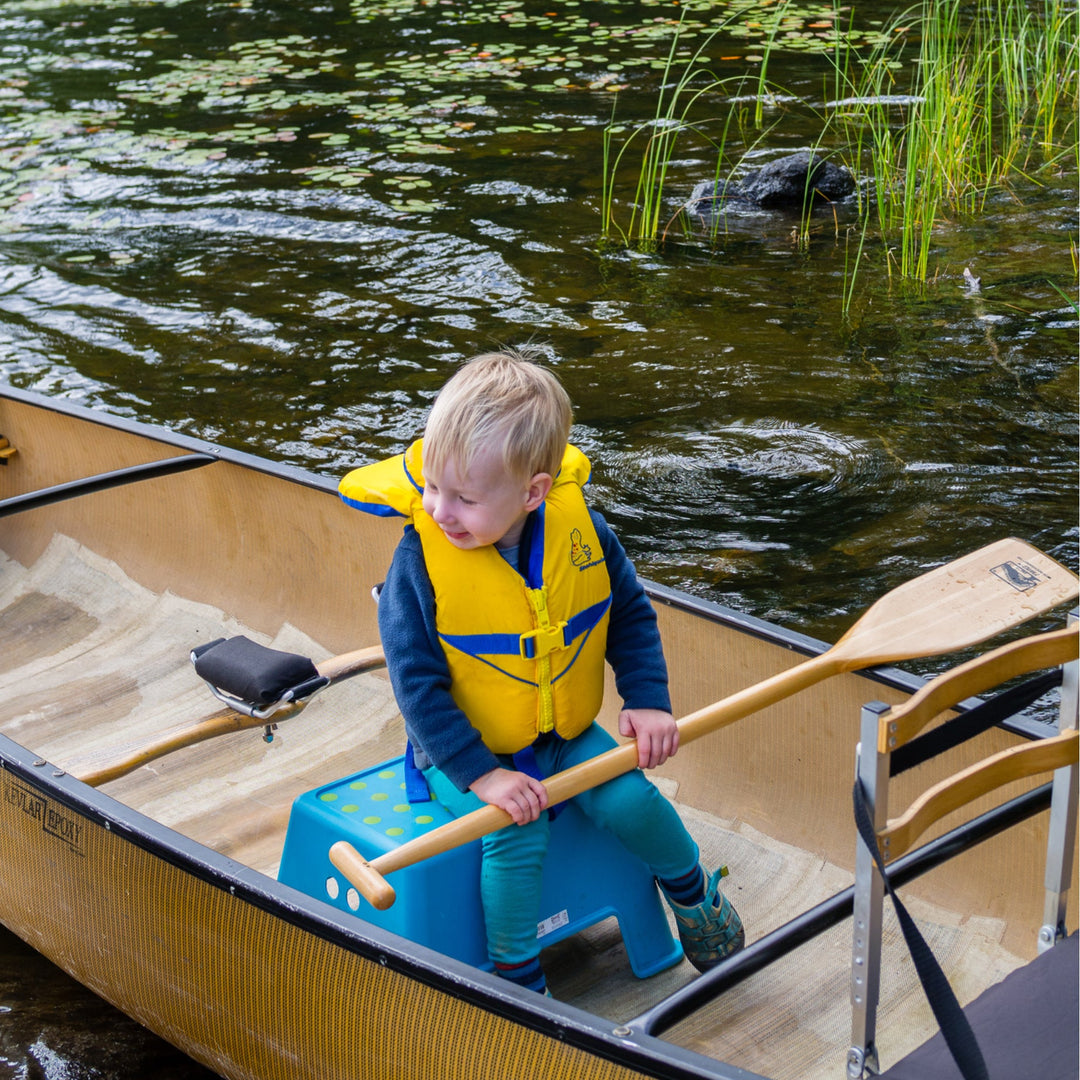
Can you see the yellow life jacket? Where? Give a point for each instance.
(525, 649)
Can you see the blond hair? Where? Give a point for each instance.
(503, 400)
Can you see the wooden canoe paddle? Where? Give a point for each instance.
(952, 607)
(101, 767)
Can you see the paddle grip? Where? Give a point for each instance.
(371, 885)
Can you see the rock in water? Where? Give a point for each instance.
(789, 183)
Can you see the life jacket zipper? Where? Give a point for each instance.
(545, 718)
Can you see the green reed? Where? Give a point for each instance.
(1054, 86)
(685, 82)
(991, 97)
(992, 90)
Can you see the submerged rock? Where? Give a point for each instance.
(788, 183)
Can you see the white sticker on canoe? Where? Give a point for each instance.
(552, 923)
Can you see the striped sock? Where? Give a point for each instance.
(687, 890)
(528, 974)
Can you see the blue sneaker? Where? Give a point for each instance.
(712, 930)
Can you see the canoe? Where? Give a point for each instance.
(124, 546)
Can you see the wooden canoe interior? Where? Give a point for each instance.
(103, 597)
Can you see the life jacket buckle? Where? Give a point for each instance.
(538, 643)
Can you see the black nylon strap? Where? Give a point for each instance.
(974, 722)
(954, 1025)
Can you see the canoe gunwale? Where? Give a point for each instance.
(170, 438)
(574, 1027)
(1023, 723)
(792, 640)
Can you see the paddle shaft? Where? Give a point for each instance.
(368, 877)
(950, 607)
(224, 722)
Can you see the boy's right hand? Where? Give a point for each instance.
(520, 795)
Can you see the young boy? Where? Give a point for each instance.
(505, 596)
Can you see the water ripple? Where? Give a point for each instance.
(702, 466)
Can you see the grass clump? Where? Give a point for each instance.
(992, 97)
(683, 84)
(955, 102)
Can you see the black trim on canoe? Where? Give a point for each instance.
(1023, 723)
(634, 1050)
(169, 438)
(87, 485)
(788, 639)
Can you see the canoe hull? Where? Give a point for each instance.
(256, 980)
(247, 979)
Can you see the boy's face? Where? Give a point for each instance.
(486, 506)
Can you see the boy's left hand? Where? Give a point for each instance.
(656, 732)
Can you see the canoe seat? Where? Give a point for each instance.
(588, 874)
(1026, 1024)
(891, 742)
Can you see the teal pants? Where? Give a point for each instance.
(629, 806)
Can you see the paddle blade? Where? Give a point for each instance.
(959, 604)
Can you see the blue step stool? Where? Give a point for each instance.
(588, 874)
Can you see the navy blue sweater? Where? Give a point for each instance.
(439, 731)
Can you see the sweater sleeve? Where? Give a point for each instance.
(415, 660)
(634, 649)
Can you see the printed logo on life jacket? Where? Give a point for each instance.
(581, 553)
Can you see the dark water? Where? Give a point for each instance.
(280, 225)
(53, 1029)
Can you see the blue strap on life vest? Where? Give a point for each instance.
(416, 786)
(409, 476)
(525, 645)
(377, 509)
(533, 539)
(525, 761)
(480, 645)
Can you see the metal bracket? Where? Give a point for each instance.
(1061, 839)
(255, 711)
(872, 773)
(862, 1063)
